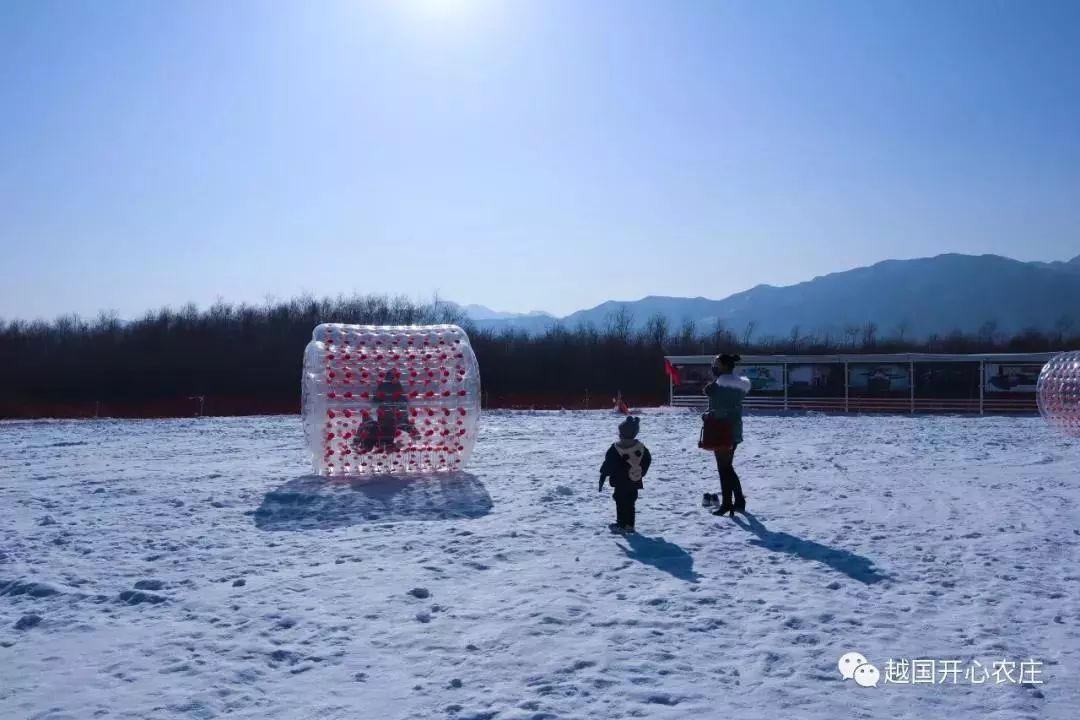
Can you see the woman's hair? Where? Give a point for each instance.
(726, 360)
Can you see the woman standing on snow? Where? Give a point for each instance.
(726, 393)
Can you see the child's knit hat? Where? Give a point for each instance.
(628, 428)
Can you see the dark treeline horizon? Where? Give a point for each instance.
(254, 354)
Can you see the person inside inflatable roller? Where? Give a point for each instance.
(391, 416)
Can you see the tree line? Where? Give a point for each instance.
(244, 358)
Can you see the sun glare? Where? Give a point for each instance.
(441, 9)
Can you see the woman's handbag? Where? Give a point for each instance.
(715, 434)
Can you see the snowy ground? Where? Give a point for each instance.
(189, 569)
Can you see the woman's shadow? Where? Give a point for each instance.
(313, 502)
(854, 566)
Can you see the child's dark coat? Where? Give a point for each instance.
(620, 465)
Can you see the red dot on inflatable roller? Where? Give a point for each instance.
(331, 395)
(330, 414)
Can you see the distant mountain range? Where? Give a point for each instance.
(479, 312)
(913, 298)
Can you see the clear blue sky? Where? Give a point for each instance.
(523, 154)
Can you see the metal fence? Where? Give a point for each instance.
(975, 384)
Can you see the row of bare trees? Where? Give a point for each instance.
(255, 351)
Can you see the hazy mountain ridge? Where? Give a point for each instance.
(481, 312)
(913, 298)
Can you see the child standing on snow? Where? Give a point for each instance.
(626, 463)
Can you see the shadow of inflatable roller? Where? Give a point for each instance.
(314, 502)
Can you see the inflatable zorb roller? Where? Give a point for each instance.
(381, 400)
(1058, 392)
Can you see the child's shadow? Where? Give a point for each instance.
(661, 554)
(854, 566)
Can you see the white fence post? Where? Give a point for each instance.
(784, 379)
(847, 383)
(982, 384)
(911, 382)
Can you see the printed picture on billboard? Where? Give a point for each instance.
(816, 380)
(1012, 377)
(764, 378)
(880, 379)
(692, 378)
(951, 380)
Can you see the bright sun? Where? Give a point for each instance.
(441, 9)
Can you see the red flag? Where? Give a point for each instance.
(671, 372)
